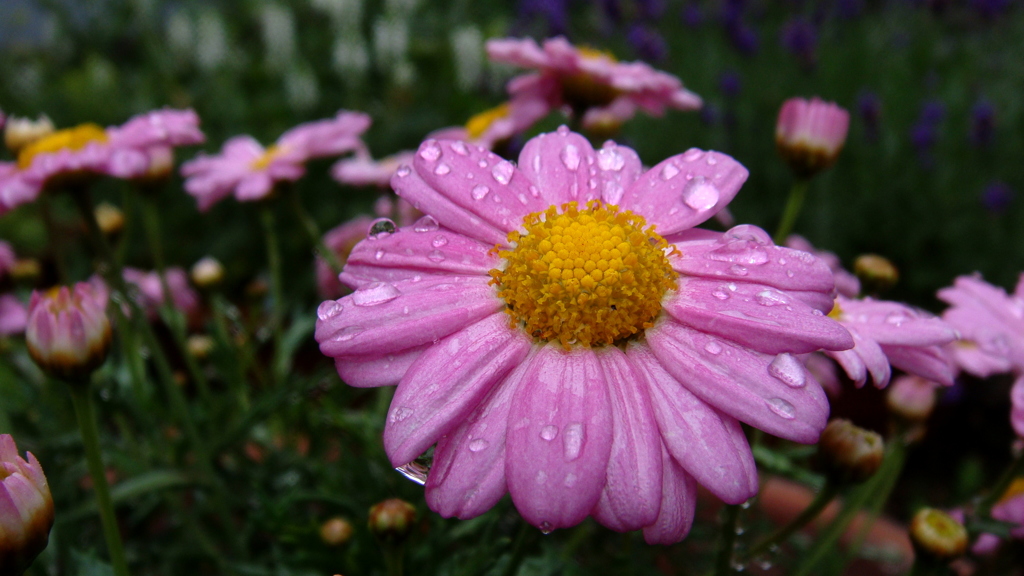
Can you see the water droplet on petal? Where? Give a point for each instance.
(788, 369)
(430, 151)
(549, 432)
(502, 171)
(790, 273)
(570, 156)
(479, 191)
(692, 154)
(459, 148)
(478, 444)
(711, 160)
(897, 318)
(713, 347)
(379, 228)
(700, 194)
(770, 297)
(401, 413)
(613, 192)
(438, 241)
(545, 527)
(720, 294)
(403, 171)
(426, 224)
(348, 333)
(572, 441)
(328, 309)
(414, 471)
(534, 191)
(782, 408)
(374, 294)
(378, 255)
(738, 269)
(563, 129)
(442, 169)
(749, 233)
(669, 171)
(609, 158)
(435, 256)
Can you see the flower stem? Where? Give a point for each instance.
(85, 413)
(826, 495)
(892, 464)
(313, 231)
(793, 206)
(1015, 469)
(55, 238)
(277, 311)
(518, 549)
(727, 542)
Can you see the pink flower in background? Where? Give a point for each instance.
(892, 333)
(591, 82)
(151, 290)
(120, 151)
(250, 171)
(846, 283)
(990, 322)
(68, 333)
(1017, 407)
(588, 365)
(809, 134)
(7, 258)
(26, 508)
(363, 170)
(13, 315)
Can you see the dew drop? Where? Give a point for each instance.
(380, 228)
(426, 224)
(782, 408)
(570, 156)
(609, 158)
(414, 471)
(669, 171)
(749, 233)
(534, 191)
(570, 480)
(790, 273)
(401, 414)
(502, 171)
(788, 369)
(572, 441)
(738, 269)
(700, 194)
(430, 151)
(770, 297)
(403, 171)
(711, 160)
(435, 256)
(348, 333)
(549, 432)
(442, 169)
(378, 255)
(328, 309)
(478, 445)
(563, 129)
(613, 192)
(482, 163)
(536, 163)
(545, 527)
(375, 294)
(692, 154)
(713, 347)
(720, 294)
(479, 192)
(438, 241)
(459, 148)
(896, 318)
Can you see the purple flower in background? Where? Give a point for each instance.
(744, 38)
(849, 9)
(647, 42)
(650, 9)
(730, 83)
(692, 15)
(554, 13)
(990, 8)
(983, 123)
(924, 134)
(997, 196)
(869, 108)
(800, 38)
(709, 114)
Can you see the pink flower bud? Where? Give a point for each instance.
(26, 509)
(68, 333)
(810, 134)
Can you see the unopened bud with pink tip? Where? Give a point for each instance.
(391, 520)
(809, 134)
(26, 509)
(68, 333)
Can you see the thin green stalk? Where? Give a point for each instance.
(518, 549)
(393, 556)
(277, 310)
(239, 384)
(1015, 469)
(826, 495)
(85, 413)
(313, 231)
(130, 348)
(792, 211)
(891, 466)
(54, 237)
(727, 540)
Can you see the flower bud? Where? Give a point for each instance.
(391, 520)
(336, 531)
(937, 535)
(207, 272)
(20, 132)
(161, 165)
(849, 453)
(199, 345)
(810, 134)
(68, 334)
(26, 509)
(110, 218)
(911, 398)
(876, 273)
(25, 269)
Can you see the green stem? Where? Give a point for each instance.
(239, 361)
(90, 438)
(55, 238)
(277, 310)
(393, 554)
(890, 469)
(723, 561)
(1015, 469)
(793, 206)
(313, 231)
(826, 495)
(518, 549)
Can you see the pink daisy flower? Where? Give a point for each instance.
(591, 82)
(892, 333)
(809, 134)
(250, 171)
(991, 324)
(562, 333)
(125, 151)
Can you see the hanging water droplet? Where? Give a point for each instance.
(328, 309)
(374, 294)
(426, 224)
(713, 347)
(700, 194)
(669, 171)
(435, 256)
(430, 151)
(442, 169)
(788, 369)
(348, 333)
(549, 432)
(403, 171)
(782, 408)
(478, 444)
(380, 228)
(572, 441)
(438, 241)
(738, 269)
(459, 148)
(570, 157)
(545, 527)
(502, 172)
(770, 298)
(414, 471)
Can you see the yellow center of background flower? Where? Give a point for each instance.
(479, 123)
(68, 139)
(264, 160)
(591, 277)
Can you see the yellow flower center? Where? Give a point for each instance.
(836, 313)
(479, 123)
(595, 53)
(261, 162)
(581, 90)
(1015, 489)
(591, 277)
(68, 139)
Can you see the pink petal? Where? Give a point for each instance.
(756, 316)
(678, 503)
(447, 382)
(417, 250)
(741, 382)
(559, 438)
(561, 165)
(928, 362)
(618, 168)
(632, 493)
(468, 476)
(408, 184)
(685, 190)
(1017, 413)
(403, 315)
(851, 363)
(707, 444)
(385, 370)
(524, 52)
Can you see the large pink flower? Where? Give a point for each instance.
(247, 169)
(892, 333)
(125, 151)
(991, 323)
(588, 365)
(591, 82)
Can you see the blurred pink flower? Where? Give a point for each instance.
(892, 333)
(593, 83)
(809, 134)
(13, 315)
(124, 151)
(1017, 408)
(846, 283)
(7, 258)
(363, 170)
(341, 239)
(151, 291)
(250, 171)
(68, 333)
(557, 398)
(990, 322)
(26, 508)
